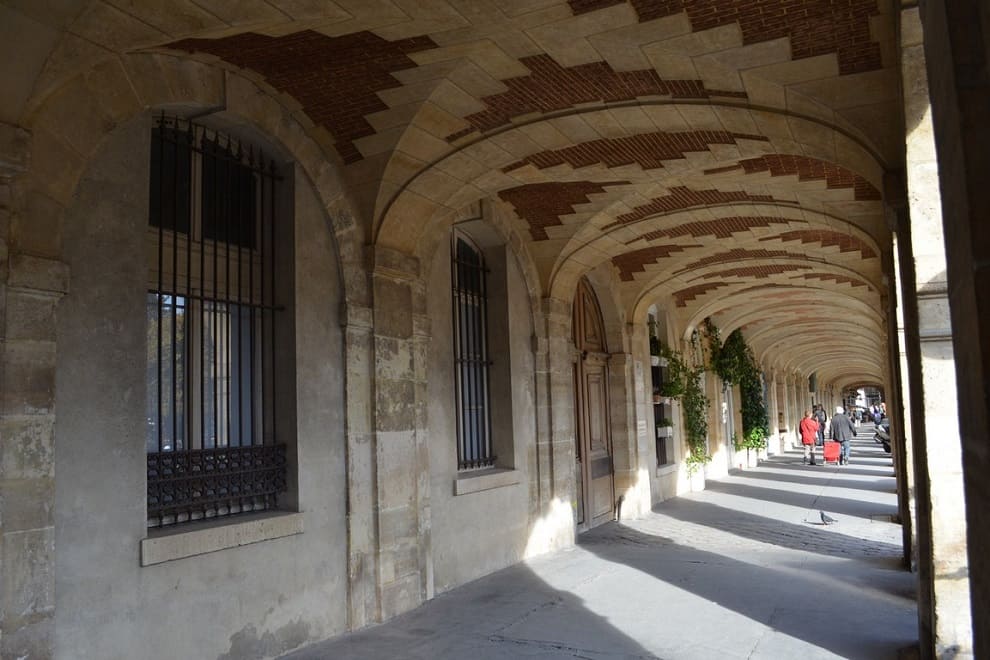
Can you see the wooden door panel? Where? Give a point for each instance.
(595, 489)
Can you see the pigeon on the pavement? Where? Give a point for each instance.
(827, 519)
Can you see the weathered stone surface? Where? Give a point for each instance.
(28, 377)
(14, 149)
(30, 316)
(26, 446)
(31, 272)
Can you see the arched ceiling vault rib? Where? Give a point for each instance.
(741, 314)
(851, 142)
(712, 307)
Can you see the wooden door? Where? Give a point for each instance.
(593, 451)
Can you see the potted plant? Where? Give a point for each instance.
(665, 427)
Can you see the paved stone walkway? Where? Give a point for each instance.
(744, 569)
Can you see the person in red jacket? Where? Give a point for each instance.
(809, 433)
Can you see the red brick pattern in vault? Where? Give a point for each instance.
(814, 27)
(681, 197)
(684, 296)
(806, 169)
(740, 254)
(846, 242)
(759, 272)
(335, 79)
(550, 87)
(719, 228)
(648, 150)
(636, 261)
(542, 204)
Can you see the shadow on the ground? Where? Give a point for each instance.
(844, 505)
(882, 484)
(811, 537)
(811, 609)
(510, 614)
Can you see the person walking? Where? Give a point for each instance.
(821, 419)
(809, 435)
(843, 432)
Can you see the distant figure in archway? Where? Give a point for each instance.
(821, 418)
(843, 432)
(809, 436)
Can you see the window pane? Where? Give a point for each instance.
(165, 428)
(171, 179)
(228, 200)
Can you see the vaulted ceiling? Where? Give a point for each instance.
(724, 157)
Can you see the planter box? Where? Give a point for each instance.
(655, 360)
(665, 431)
(662, 362)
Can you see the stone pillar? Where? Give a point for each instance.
(782, 407)
(773, 442)
(793, 399)
(632, 455)
(943, 603)
(555, 504)
(957, 50)
(897, 392)
(401, 460)
(32, 280)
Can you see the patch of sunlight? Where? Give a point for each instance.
(551, 531)
(655, 613)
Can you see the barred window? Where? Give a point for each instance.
(471, 363)
(212, 438)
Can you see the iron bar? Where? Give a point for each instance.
(271, 224)
(161, 257)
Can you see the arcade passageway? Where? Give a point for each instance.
(743, 569)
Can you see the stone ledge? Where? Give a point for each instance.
(474, 482)
(202, 537)
(666, 469)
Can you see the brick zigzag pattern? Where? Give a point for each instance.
(551, 87)
(648, 150)
(684, 296)
(681, 198)
(335, 79)
(542, 204)
(719, 228)
(760, 272)
(845, 242)
(742, 254)
(806, 169)
(814, 27)
(637, 260)
(838, 279)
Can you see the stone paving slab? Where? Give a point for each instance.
(744, 569)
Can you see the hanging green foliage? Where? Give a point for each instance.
(684, 382)
(735, 364)
(695, 420)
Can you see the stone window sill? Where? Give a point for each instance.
(474, 482)
(199, 538)
(666, 469)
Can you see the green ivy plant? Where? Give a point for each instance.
(683, 382)
(735, 364)
(695, 420)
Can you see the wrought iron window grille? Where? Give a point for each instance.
(469, 279)
(212, 437)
